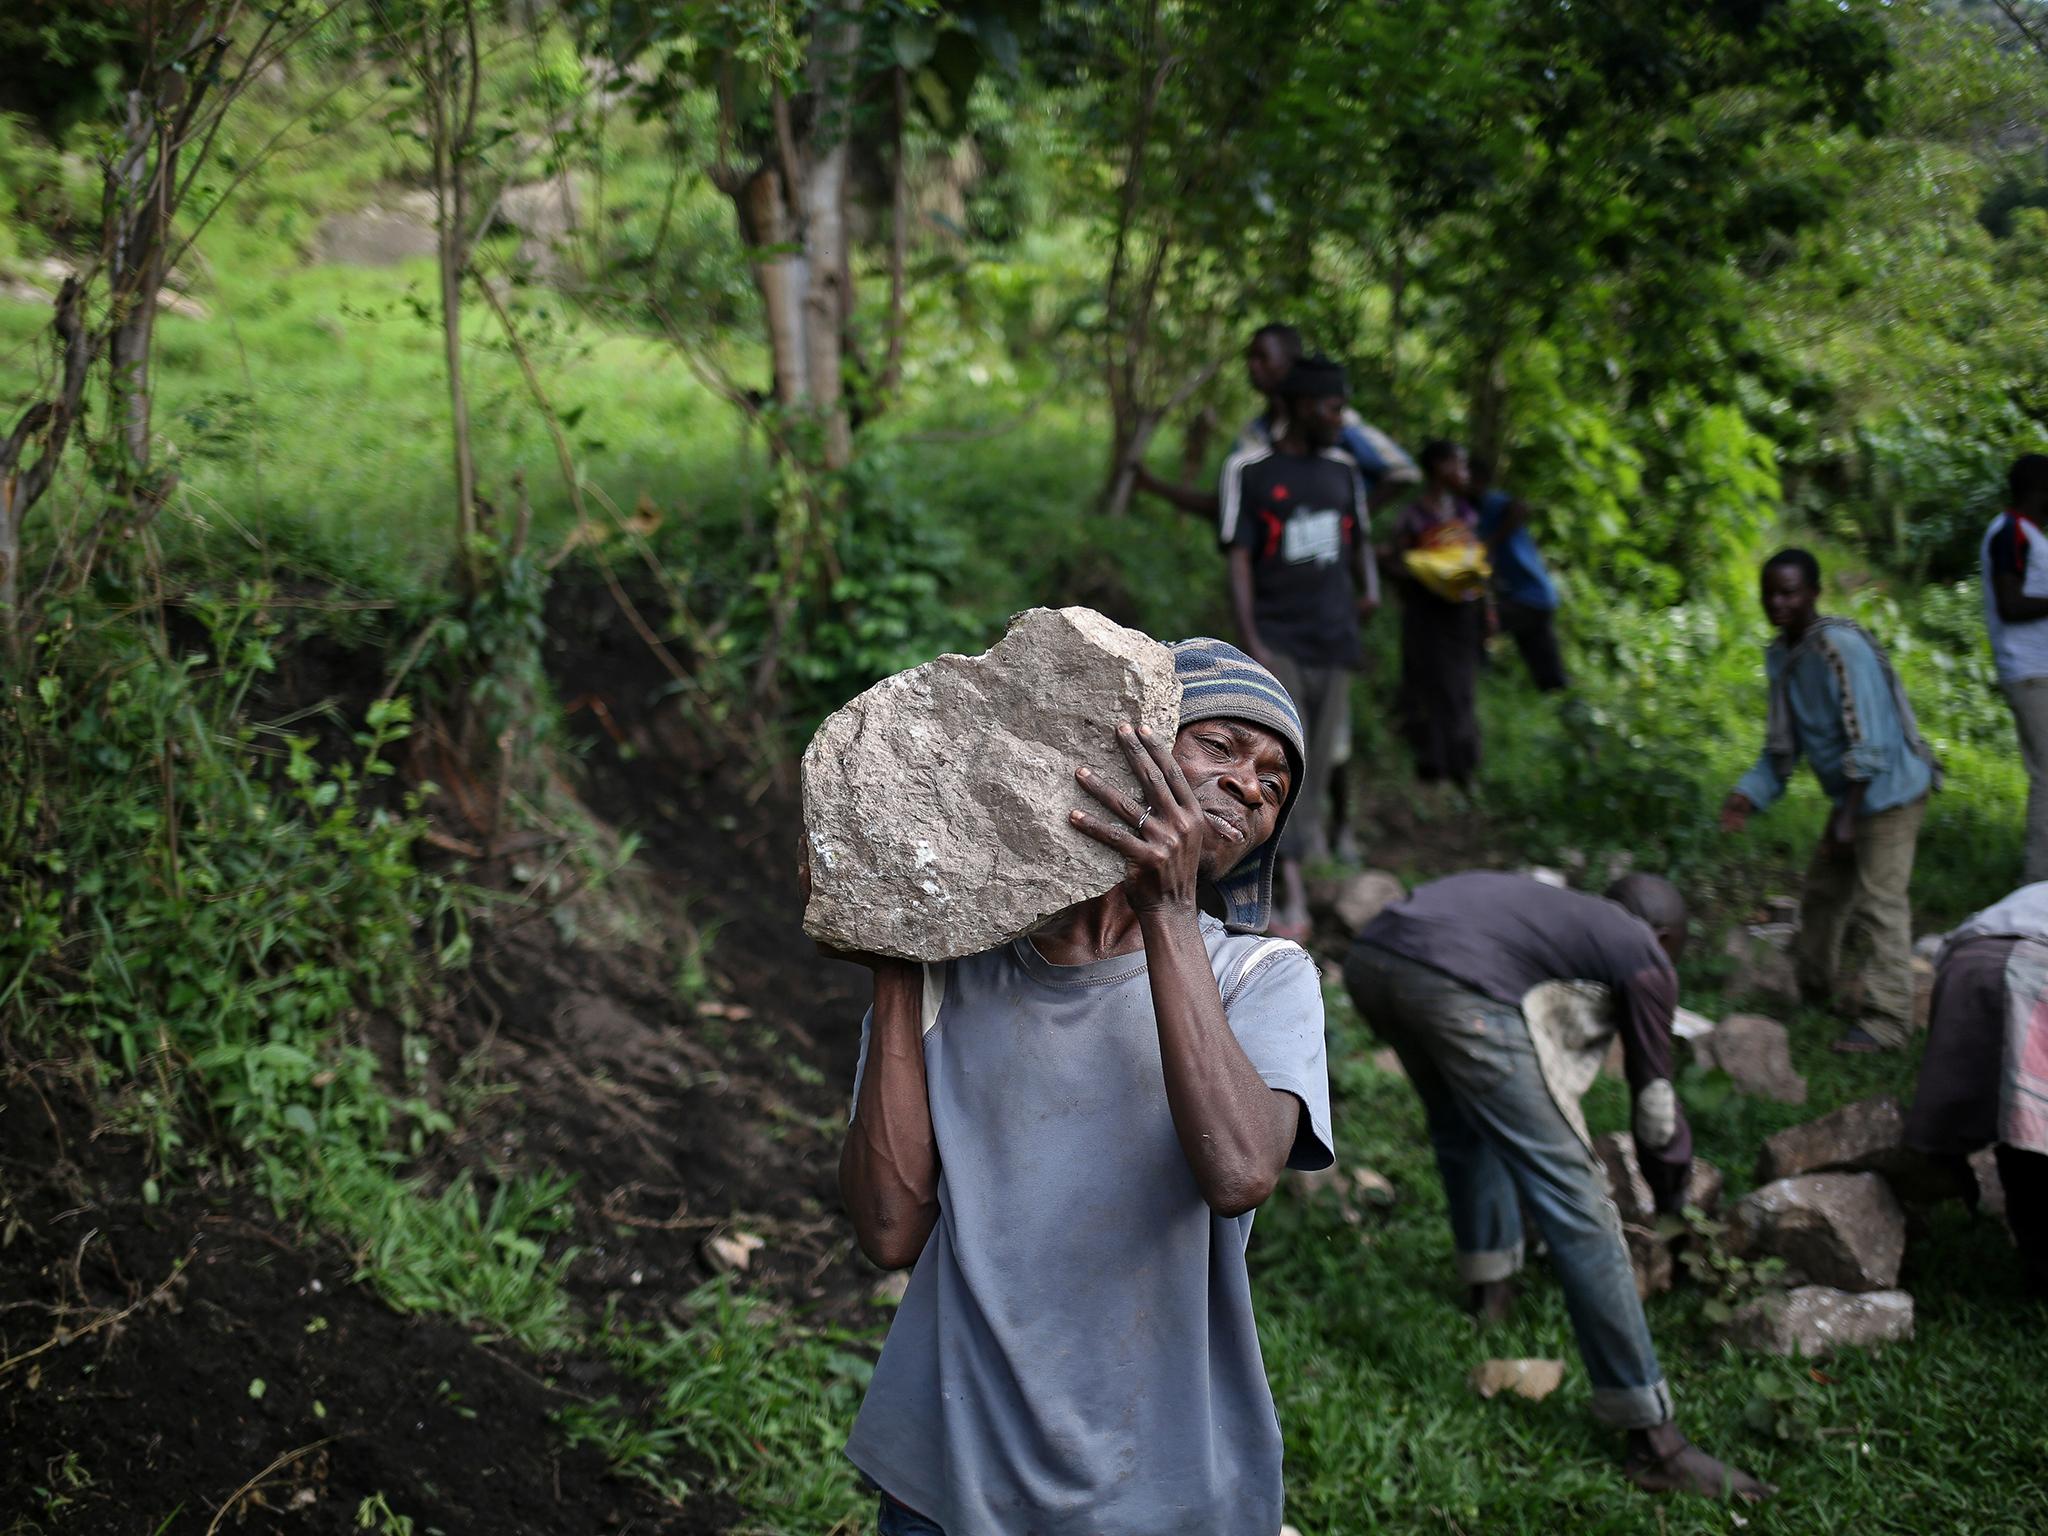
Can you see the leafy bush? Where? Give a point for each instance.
(199, 898)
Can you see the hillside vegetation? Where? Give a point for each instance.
(399, 792)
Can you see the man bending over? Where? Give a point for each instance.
(1067, 1138)
(1463, 980)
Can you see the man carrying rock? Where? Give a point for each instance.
(1302, 575)
(1067, 1137)
(1984, 1078)
(1487, 986)
(1835, 700)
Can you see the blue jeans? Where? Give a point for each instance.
(1498, 1134)
(893, 1519)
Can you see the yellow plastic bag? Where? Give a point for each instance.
(1456, 572)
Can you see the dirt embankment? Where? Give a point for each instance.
(675, 1046)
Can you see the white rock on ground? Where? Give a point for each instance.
(936, 803)
(1817, 1320)
(1845, 1230)
(732, 1253)
(379, 235)
(1533, 1379)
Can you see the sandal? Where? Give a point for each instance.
(1858, 1041)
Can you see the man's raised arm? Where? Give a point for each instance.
(1235, 1132)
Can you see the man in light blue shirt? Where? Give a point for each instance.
(2014, 557)
(1835, 701)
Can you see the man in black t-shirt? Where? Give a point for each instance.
(1292, 517)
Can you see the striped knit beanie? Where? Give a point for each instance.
(1220, 682)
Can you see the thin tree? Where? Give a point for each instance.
(183, 72)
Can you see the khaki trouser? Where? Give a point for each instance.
(1858, 896)
(2029, 699)
(1323, 697)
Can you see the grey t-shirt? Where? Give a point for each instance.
(1076, 1354)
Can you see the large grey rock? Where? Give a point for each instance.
(936, 803)
(1757, 1053)
(1817, 1320)
(1649, 1250)
(1860, 1137)
(1763, 966)
(1364, 896)
(1841, 1229)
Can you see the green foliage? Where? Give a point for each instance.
(488, 1264)
(763, 1402)
(196, 892)
(886, 605)
(376, 1515)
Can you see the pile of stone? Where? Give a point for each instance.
(1827, 1210)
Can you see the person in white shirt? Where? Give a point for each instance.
(2015, 561)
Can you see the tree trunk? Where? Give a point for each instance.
(1194, 446)
(136, 277)
(825, 301)
(1132, 436)
(1487, 402)
(765, 222)
(11, 510)
(441, 80)
(452, 258)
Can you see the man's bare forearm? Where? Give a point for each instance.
(1368, 571)
(1187, 498)
(889, 1163)
(1235, 1132)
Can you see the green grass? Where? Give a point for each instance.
(761, 1400)
(1368, 1350)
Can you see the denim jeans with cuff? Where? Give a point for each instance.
(1498, 1133)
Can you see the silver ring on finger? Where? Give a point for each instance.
(1143, 817)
